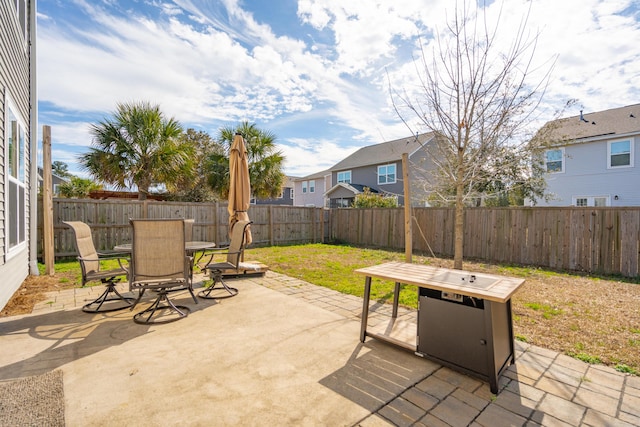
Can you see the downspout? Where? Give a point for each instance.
(33, 143)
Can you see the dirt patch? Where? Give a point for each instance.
(33, 290)
(592, 319)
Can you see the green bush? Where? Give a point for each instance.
(367, 199)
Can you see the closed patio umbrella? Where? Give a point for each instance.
(239, 185)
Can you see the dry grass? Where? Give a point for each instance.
(594, 319)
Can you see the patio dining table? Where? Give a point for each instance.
(191, 248)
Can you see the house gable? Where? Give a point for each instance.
(593, 161)
(379, 166)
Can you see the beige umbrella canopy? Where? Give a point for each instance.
(239, 185)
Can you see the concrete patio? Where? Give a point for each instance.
(285, 352)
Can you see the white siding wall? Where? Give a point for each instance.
(586, 174)
(14, 83)
(309, 199)
(13, 272)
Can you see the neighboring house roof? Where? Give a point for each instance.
(108, 194)
(316, 175)
(288, 181)
(56, 179)
(353, 188)
(602, 124)
(385, 152)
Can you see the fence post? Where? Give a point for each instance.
(47, 202)
(270, 211)
(408, 229)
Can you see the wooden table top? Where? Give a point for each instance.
(478, 285)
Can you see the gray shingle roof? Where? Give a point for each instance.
(354, 188)
(385, 152)
(616, 121)
(315, 175)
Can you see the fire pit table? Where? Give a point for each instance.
(464, 318)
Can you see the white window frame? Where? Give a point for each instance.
(346, 177)
(304, 187)
(291, 193)
(590, 200)
(16, 190)
(312, 186)
(631, 144)
(386, 174)
(546, 162)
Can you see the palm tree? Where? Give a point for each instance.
(138, 147)
(265, 162)
(78, 188)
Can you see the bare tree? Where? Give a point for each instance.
(478, 100)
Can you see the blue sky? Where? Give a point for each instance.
(314, 72)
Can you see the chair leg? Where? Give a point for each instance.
(191, 292)
(140, 294)
(217, 278)
(96, 306)
(145, 316)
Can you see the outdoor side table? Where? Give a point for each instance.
(464, 318)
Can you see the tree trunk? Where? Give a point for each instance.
(459, 221)
(143, 189)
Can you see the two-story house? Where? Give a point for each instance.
(56, 181)
(18, 145)
(309, 190)
(592, 159)
(379, 168)
(284, 198)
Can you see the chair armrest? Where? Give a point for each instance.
(110, 255)
(119, 256)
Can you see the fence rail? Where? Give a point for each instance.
(598, 240)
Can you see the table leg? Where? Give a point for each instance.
(396, 297)
(365, 308)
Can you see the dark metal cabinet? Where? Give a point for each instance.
(469, 334)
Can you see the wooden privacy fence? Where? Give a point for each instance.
(109, 221)
(597, 240)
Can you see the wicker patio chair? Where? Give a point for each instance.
(90, 260)
(159, 263)
(234, 252)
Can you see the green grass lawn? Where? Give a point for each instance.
(332, 266)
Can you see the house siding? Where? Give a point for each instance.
(284, 200)
(586, 174)
(14, 84)
(310, 199)
(368, 176)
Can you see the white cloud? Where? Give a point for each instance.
(213, 63)
(325, 154)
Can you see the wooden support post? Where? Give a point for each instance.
(271, 237)
(47, 203)
(408, 234)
